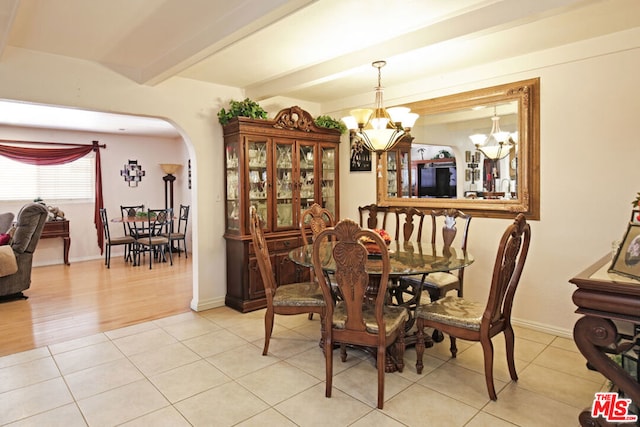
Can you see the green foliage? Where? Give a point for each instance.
(330, 123)
(443, 154)
(246, 108)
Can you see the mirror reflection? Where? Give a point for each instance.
(475, 151)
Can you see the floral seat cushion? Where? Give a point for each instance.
(393, 317)
(298, 294)
(454, 311)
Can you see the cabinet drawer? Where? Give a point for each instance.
(285, 244)
(279, 245)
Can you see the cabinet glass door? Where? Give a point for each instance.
(328, 183)
(258, 177)
(284, 184)
(392, 174)
(404, 174)
(233, 190)
(307, 177)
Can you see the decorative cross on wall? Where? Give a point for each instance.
(132, 173)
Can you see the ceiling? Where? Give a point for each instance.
(313, 50)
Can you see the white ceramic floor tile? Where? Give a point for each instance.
(214, 343)
(27, 373)
(417, 404)
(98, 379)
(523, 408)
(575, 391)
(31, 400)
(24, 356)
(78, 343)
(270, 417)
(64, 416)
(241, 361)
(460, 384)
(191, 328)
(226, 405)
(483, 419)
(566, 361)
(164, 358)
(188, 380)
(131, 330)
(377, 419)
(361, 382)
(165, 417)
(87, 357)
(278, 382)
(144, 341)
(122, 404)
(311, 408)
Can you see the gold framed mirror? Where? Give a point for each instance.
(486, 179)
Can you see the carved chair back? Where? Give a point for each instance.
(373, 216)
(315, 219)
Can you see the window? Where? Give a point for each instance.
(75, 180)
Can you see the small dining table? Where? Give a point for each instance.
(408, 258)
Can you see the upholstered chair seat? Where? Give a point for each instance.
(454, 311)
(393, 317)
(299, 294)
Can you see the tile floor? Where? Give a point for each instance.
(206, 369)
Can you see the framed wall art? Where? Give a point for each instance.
(627, 261)
(132, 173)
(360, 156)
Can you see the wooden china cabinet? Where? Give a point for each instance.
(282, 167)
(399, 179)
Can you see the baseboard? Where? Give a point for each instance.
(540, 327)
(207, 304)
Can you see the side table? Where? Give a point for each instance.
(59, 228)
(604, 299)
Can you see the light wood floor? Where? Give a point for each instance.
(67, 302)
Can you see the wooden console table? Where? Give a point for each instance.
(607, 301)
(58, 228)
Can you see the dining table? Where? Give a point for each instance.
(406, 258)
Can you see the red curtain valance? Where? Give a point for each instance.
(59, 156)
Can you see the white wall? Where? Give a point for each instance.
(588, 166)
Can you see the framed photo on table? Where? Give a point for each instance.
(627, 261)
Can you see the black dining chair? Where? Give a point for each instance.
(132, 228)
(127, 241)
(155, 243)
(180, 233)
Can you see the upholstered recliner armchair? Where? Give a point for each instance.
(30, 222)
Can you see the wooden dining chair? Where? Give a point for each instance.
(373, 216)
(408, 221)
(361, 317)
(409, 224)
(127, 241)
(313, 221)
(474, 321)
(295, 298)
(443, 224)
